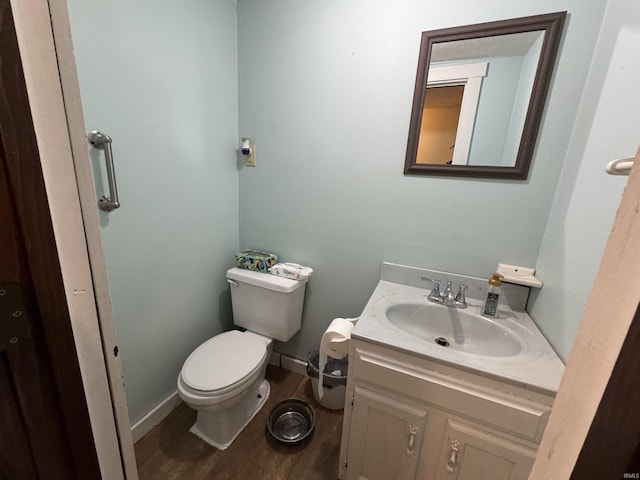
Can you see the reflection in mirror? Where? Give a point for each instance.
(479, 95)
(439, 128)
(492, 77)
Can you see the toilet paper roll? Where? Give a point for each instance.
(335, 341)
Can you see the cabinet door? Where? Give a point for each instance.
(469, 453)
(386, 436)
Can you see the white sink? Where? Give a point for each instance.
(509, 348)
(462, 330)
(450, 333)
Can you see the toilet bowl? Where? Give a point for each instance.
(223, 379)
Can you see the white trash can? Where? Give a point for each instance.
(334, 380)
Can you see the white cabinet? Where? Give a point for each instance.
(388, 434)
(409, 417)
(470, 453)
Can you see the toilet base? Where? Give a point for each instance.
(219, 429)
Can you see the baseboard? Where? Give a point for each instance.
(293, 364)
(275, 359)
(290, 363)
(155, 416)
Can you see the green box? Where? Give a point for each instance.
(256, 260)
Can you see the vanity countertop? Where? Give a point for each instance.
(536, 367)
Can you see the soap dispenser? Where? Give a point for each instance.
(490, 308)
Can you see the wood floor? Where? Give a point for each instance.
(169, 451)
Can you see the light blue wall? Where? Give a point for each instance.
(325, 92)
(607, 127)
(160, 77)
(528, 69)
(497, 95)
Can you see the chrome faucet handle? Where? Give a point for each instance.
(460, 301)
(435, 295)
(448, 297)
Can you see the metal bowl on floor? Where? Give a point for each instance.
(291, 421)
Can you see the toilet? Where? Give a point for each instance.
(223, 379)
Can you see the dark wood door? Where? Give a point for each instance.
(44, 423)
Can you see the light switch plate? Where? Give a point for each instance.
(251, 158)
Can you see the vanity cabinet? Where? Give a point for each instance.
(409, 417)
(472, 453)
(388, 433)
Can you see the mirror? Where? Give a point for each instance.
(479, 96)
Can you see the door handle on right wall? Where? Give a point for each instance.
(101, 141)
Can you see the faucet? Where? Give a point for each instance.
(447, 296)
(447, 299)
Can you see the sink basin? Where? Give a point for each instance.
(461, 330)
(508, 348)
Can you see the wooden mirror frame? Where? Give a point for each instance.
(552, 25)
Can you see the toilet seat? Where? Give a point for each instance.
(224, 363)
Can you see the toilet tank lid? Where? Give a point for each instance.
(264, 280)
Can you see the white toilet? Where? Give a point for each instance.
(223, 379)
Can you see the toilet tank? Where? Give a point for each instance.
(266, 304)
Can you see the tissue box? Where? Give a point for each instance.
(256, 260)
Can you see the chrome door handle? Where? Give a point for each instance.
(101, 141)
